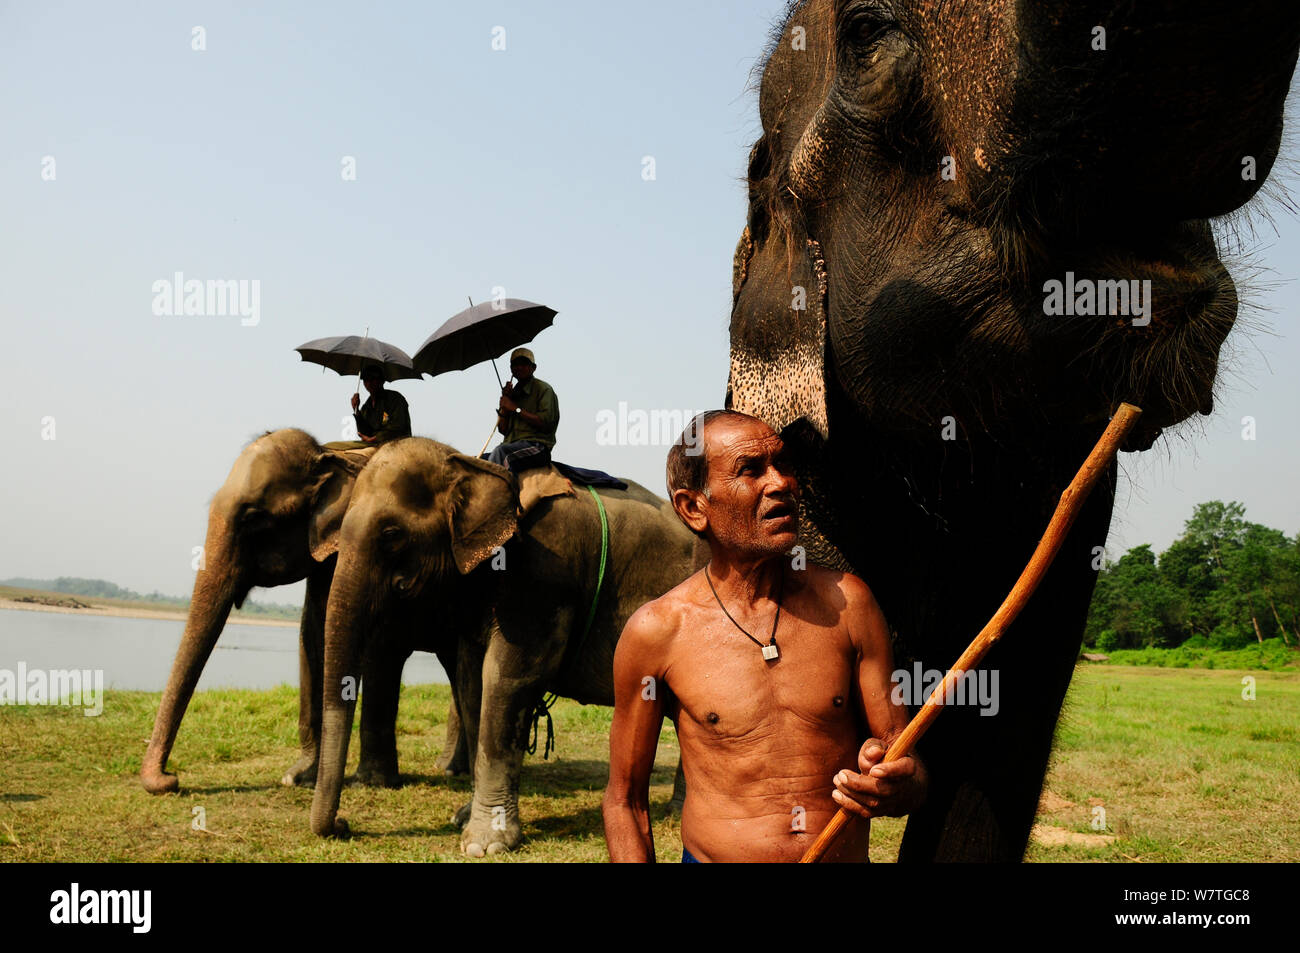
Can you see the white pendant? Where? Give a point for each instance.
(770, 652)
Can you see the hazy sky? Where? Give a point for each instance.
(475, 168)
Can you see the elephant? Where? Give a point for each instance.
(434, 536)
(940, 196)
(274, 521)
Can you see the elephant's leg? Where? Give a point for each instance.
(988, 770)
(381, 687)
(981, 810)
(311, 671)
(514, 675)
(469, 701)
(454, 758)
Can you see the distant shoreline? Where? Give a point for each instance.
(173, 615)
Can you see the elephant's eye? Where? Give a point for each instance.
(866, 23)
(392, 537)
(254, 519)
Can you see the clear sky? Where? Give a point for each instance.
(476, 168)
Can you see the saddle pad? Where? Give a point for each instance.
(540, 483)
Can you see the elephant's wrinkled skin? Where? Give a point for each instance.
(925, 168)
(274, 521)
(418, 543)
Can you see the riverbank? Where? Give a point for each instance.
(133, 613)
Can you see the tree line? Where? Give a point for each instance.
(1224, 583)
(103, 589)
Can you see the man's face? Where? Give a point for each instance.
(752, 502)
(521, 369)
(374, 384)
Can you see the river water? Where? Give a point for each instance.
(136, 654)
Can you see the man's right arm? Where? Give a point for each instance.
(634, 736)
(362, 418)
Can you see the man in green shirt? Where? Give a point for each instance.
(526, 416)
(383, 417)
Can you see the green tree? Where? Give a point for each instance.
(1225, 582)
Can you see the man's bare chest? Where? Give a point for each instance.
(721, 682)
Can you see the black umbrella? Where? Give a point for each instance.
(482, 332)
(352, 354)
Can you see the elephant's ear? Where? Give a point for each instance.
(778, 333)
(481, 509)
(333, 477)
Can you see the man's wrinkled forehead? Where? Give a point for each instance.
(729, 441)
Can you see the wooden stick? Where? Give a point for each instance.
(487, 441)
(1066, 511)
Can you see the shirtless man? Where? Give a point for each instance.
(772, 674)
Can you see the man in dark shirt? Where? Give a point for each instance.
(526, 416)
(383, 417)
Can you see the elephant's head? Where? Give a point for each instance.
(273, 520)
(422, 517)
(931, 179)
(927, 167)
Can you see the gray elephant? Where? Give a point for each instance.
(275, 521)
(432, 535)
(997, 216)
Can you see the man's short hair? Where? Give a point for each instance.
(688, 459)
(371, 372)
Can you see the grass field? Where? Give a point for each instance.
(1184, 767)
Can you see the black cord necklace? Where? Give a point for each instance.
(770, 651)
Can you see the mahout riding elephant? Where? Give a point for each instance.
(433, 537)
(274, 521)
(974, 229)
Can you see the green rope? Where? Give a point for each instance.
(600, 576)
(548, 702)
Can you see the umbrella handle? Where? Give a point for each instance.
(363, 337)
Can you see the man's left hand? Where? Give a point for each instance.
(880, 790)
(507, 406)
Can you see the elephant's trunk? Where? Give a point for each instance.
(215, 586)
(341, 684)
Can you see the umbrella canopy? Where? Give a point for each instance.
(482, 333)
(348, 355)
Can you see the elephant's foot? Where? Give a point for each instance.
(453, 761)
(491, 830)
(336, 828)
(378, 774)
(302, 772)
(158, 781)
